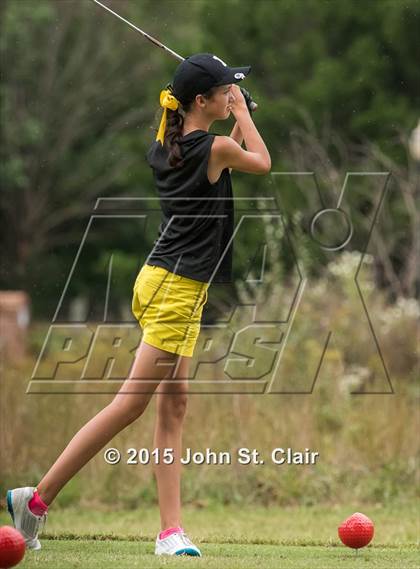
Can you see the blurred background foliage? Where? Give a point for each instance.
(338, 91)
(368, 444)
(337, 87)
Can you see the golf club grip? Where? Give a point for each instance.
(253, 106)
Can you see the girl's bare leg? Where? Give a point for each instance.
(171, 403)
(129, 403)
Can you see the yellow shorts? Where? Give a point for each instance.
(169, 308)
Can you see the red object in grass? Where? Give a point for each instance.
(356, 531)
(12, 547)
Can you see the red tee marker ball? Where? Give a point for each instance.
(356, 531)
(12, 547)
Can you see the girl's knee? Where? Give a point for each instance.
(172, 407)
(129, 410)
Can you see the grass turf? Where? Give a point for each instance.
(231, 537)
(65, 554)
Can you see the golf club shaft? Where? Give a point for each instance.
(146, 35)
(152, 39)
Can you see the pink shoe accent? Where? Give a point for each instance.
(170, 531)
(36, 505)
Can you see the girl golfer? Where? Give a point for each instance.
(170, 291)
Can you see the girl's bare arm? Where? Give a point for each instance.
(236, 134)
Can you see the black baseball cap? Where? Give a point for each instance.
(199, 72)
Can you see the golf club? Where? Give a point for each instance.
(253, 105)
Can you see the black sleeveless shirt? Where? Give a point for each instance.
(194, 237)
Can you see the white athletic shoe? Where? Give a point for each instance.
(176, 544)
(23, 519)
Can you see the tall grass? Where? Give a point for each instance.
(368, 443)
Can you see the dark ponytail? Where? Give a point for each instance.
(173, 133)
(174, 128)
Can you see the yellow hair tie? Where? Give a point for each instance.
(167, 101)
